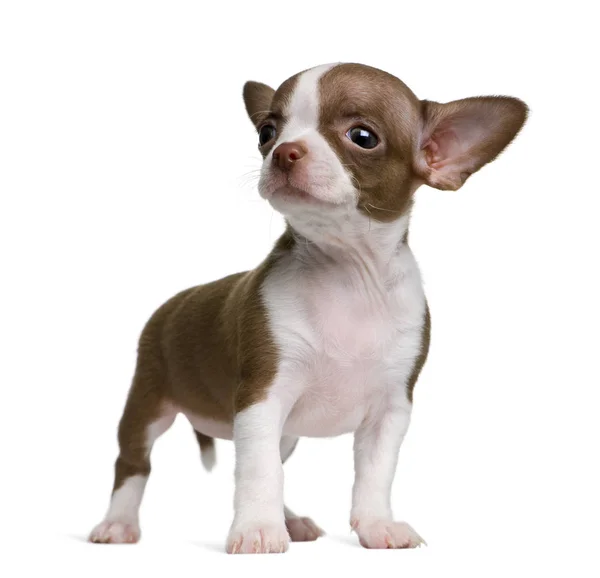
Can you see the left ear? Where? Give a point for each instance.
(459, 137)
(257, 98)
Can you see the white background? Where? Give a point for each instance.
(126, 164)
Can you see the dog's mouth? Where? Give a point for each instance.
(291, 193)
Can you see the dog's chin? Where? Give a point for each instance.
(289, 199)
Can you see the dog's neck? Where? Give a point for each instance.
(350, 241)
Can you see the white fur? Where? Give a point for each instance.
(259, 524)
(125, 502)
(376, 446)
(121, 523)
(348, 322)
(346, 308)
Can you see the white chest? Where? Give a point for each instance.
(347, 342)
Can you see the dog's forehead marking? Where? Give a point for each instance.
(298, 102)
(302, 110)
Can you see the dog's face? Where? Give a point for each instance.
(348, 137)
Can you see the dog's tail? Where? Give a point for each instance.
(207, 450)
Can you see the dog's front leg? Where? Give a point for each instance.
(259, 524)
(376, 446)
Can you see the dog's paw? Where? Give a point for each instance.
(258, 539)
(383, 534)
(302, 529)
(115, 532)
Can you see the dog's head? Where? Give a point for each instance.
(350, 138)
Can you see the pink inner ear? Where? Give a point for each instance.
(461, 136)
(451, 140)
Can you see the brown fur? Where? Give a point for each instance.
(267, 106)
(384, 175)
(207, 350)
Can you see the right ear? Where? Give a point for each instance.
(257, 98)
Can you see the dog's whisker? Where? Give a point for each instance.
(382, 209)
(369, 214)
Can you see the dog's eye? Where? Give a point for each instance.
(266, 133)
(362, 137)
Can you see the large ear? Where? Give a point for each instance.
(257, 98)
(459, 137)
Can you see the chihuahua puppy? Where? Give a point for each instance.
(329, 333)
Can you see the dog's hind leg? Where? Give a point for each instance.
(147, 415)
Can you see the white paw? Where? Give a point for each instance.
(386, 534)
(258, 539)
(114, 532)
(302, 529)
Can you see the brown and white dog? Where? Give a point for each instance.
(328, 335)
